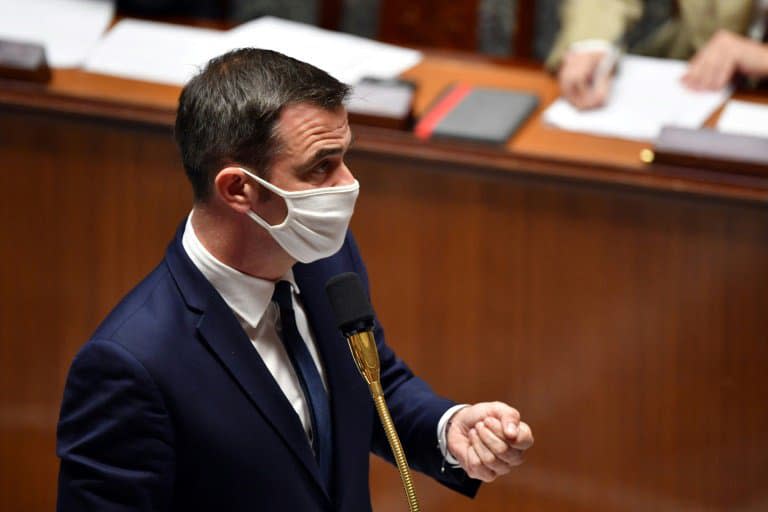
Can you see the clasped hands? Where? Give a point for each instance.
(488, 439)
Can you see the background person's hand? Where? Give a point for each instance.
(582, 81)
(725, 54)
(488, 439)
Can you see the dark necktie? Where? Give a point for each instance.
(311, 382)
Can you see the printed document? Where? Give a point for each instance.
(647, 94)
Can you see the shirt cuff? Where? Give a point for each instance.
(442, 428)
(592, 45)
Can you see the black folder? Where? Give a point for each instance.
(480, 114)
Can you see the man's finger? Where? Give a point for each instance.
(510, 455)
(510, 418)
(569, 87)
(709, 70)
(486, 454)
(489, 438)
(495, 426)
(575, 80)
(475, 467)
(600, 90)
(693, 75)
(504, 455)
(723, 75)
(580, 94)
(524, 438)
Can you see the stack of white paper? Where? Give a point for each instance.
(68, 29)
(744, 118)
(647, 94)
(171, 54)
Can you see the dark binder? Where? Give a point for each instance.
(480, 114)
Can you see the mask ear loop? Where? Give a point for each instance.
(261, 221)
(288, 194)
(261, 181)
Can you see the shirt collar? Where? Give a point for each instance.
(246, 295)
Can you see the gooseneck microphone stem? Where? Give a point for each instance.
(363, 347)
(355, 318)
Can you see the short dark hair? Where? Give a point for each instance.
(228, 112)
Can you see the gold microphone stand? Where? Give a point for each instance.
(366, 356)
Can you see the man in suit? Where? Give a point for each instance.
(721, 37)
(220, 382)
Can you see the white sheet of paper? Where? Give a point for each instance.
(647, 94)
(68, 29)
(160, 52)
(344, 56)
(154, 52)
(744, 118)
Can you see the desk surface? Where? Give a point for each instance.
(536, 149)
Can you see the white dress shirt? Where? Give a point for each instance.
(250, 299)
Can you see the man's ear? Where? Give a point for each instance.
(235, 190)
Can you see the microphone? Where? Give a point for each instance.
(354, 317)
(349, 303)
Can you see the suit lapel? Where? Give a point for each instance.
(221, 332)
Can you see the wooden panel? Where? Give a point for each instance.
(88, 210)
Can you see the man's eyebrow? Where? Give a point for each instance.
(326, 152)
(319, 156)
(322, 153)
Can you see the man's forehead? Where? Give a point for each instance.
(301, 114)
(304, 121)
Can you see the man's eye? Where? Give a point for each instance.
(324, 166)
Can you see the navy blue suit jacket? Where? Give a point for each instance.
(169, 407)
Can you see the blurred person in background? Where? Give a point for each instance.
(722, 38)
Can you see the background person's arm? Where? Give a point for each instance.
(580, 20)
(584, 44)
(724, 55)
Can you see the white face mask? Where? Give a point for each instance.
(316, 222)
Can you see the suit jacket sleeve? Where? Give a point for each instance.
(415, 410)
(114, 435)
(592, 19)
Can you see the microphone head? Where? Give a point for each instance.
(350, 303)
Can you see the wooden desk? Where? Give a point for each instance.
(621, 308)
